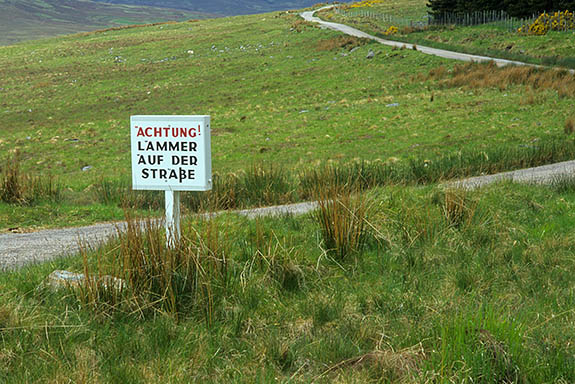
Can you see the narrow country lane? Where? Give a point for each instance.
(310, 16)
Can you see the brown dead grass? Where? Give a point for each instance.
(474, 75)
(569, 125)
(403, 365)
(301, 24)
(336, 43)
(132, 26)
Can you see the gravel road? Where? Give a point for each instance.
(545, 174)
(310, 16)
(18, 249)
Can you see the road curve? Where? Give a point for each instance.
(310, 16)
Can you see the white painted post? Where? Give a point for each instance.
(172, 218)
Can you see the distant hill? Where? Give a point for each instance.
(226, 7)
(33, 19)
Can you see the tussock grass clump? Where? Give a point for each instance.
(17, 187)
(264, 185)
(342, 218)
(120, 193)
(186, 278)
(457, 208)
(488, 75)
(339, 42)
(102, 293)
(278, 260)
(365, 175)
(569, 126)
(350, 176)
(401, 366)
(488, 343)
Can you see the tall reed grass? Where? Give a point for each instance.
(256, 186)
(264, 185)
(188, 278)
(342, 218)
(17, 187)
(484, 75)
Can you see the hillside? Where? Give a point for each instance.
(225, 7)
(33, 19)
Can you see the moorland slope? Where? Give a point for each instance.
(34, 19)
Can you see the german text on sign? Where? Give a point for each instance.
(171, 153)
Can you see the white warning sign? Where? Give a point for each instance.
(171, 153)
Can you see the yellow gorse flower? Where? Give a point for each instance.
(391, 30)
(365, 3)
(558, 21)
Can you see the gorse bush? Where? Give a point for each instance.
(557, 21)
(392, 30)
(364, 4)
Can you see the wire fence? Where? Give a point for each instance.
(385, 18)
(497, 18)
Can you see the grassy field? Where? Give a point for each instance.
(554, 48)
(436, 286)
(34, 19)
(282, 95)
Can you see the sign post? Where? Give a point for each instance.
(171, 154)
(172, 217)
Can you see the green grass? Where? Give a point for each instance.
(403, 281)
(278, 98)
(486, 297)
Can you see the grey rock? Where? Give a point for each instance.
(65, 279)
(370, 54)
